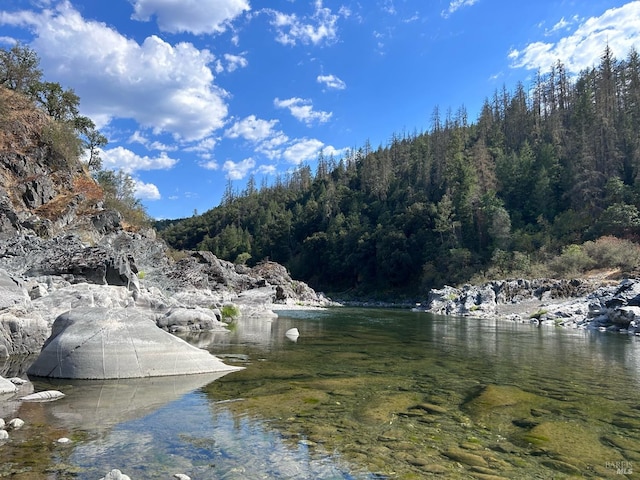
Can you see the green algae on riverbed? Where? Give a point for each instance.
(368, 394)
(461, 398)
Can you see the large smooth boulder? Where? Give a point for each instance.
(104, 343)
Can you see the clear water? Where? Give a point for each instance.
(361, 394)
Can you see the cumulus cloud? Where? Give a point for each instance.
(456, 5)
(235, 61)
(303, 150)
(252, 129)
(120, 158)
(302, 110)
(190, 16)
(320, 27)
(146, 191)
(617, 27)
(239, 170)
(331, 81)
(164, 87)
(210, 165)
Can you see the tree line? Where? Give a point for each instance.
(544, 169)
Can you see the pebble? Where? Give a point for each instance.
(464, 457)
(182, 476)
(431, 408)
(45, 396)
(115, 474)
(4, 435)
(15, 424)
(435, 469)
(64, 440)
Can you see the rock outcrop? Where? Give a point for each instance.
(64, 256)
(575, 303)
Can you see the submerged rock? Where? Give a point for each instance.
(101, 343)
(115, 474)
(46, 396)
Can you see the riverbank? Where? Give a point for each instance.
(578, 303)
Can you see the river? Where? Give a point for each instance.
(360, 394)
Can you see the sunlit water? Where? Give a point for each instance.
(362, 393)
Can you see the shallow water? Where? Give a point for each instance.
(362, 393)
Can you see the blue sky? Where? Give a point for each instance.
(193, 93)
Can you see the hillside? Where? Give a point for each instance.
(67, 244)
(41, 188)
(545, 182)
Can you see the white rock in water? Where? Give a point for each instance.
(115, 474)
(4, 435)
(182, 476)
(46, 396)
(7, 386)
(64, 440)
(292, 332)
(15, 424)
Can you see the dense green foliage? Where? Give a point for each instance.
(541, 169)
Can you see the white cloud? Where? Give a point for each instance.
(191, 16)
(146, 191)
(267, 169)
(235, 61)
(331, 81)
(203, 147)
(237, 171)
(252, 129)
(139, 137)
(210, 165)
(272, 147)
(456, 5)
(303, 150)
(120, 158)
(302, 110)
(168, 88)
(321, 27)
(617, 27)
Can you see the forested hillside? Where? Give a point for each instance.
(544, 169)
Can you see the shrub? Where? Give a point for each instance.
(612, 252)
(64, 144)
(573, 260)
(230, 312)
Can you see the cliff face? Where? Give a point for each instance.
(61, 250)
(40, 190)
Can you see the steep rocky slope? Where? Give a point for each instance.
(60, 249)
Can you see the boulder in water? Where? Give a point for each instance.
(102, 343)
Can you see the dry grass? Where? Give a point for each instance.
(21, 123)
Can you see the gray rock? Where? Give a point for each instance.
(115, 474)
(12, 293)
(6, 386)
(101, 343)
(22, 331)
(190, 319)
(45, 396)
(15, 424)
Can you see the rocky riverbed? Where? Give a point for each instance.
(577, 303)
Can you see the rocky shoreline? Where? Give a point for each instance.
(576, 303)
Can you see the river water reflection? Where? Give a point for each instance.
(362, 393)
